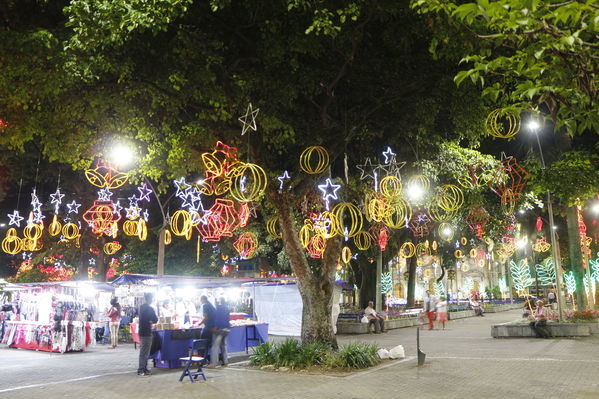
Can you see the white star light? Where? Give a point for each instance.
(144, 192)
(282, 178)
(182, 187)
(104, 194)
(15, 219)
(117, 207)
(389, 155)
(92, 261)
(133, 212)
(146, 215)
(73, 207)
(329, 191)
(56, 199)
(249, 119)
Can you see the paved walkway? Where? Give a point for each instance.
(462, 362)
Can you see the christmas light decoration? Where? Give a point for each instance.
(248, 182)
(285, 176)
(476, 175)
(142, 230)
(56, 199)
(130, 228)
(510, 176)
(439, 289)
(367, 170)
(502, 124)
(417, 188)
(389, 155)
(521, 275)
(390, 187)
(12, 244)
(14, 219)
(246, 244)
(144, 192)
(420, 224)
(450, 198)
(362, 240)
(104, 175)
(70, 231)
(111, 248)
(100, 217)
(223, 220)
(346, 255)
(349, 220)
(377, 208)
(329, 191)
(271, 227)
(570, 281)
(33, 231)
(314, 160)
(218, 164)
(546, 272)
(180, 223)
(477, 219)
(508, 203)
(248, 120)
(423, 249)
(381, 234)
(458, 254)
(407, 250)
(386, 283)
(73, 207)
(316, 247)
(104, 194)
(167, 237)
(400, 213)
(541, 245)
(55, 227)
(446, 231)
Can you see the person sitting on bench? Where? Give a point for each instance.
(539, 325)
(374, 318)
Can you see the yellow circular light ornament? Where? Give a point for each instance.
(347, 211)
(458, 254)
(142, 230)
(12, 244)
(465, 268)
(70, 231)
(390, 187)
(422, 249)
(450, 198)
(33, 231)
(55, 227)
(314, 160)
(464, 241)
(379, 209)
(401, 211)
(181, 223)
(473, 253)
(434, 245)
(271, 227)
(304, 234)
(346, 255)
(248, 182)
(502, 125)
(362, 240)
(446, 231)
(130, 227)
(507, 201)
(168, 237)
(407, 250)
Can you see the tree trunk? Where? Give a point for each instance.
(161, 245)
(412, 281)
(576, 256)
(315, 284)
(367, 288)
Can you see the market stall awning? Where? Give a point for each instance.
(185, 281)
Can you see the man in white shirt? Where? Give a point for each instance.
(374, 318)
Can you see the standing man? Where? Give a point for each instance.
(219, 334)
(208, 313)
(374, 318)
(147, 317)
(428, 305)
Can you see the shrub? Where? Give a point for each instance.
(584, 315)
(288, 353)
(311, 354)
(263, 354)
(358, 355)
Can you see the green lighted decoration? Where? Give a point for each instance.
(520, 275)
(502, 285)
(386, 283)
(595, 268)
(570, 282)
(546, 272)
(469, 284)
(439, 289)
(585, 281)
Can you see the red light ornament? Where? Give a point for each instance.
(101, 217)
(246, 244)
(221, 220)
(509, 180)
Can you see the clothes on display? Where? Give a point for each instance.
(71, 336)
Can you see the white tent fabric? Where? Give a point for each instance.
(281, 307)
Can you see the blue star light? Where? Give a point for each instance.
(15, 219)
(182, 187)
(144, 192)
(104, 194)
(329, 191)
(282, 178)
(389, 155)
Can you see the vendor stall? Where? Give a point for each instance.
(55, 317)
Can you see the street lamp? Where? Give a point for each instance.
(121, 154)
(534, 126)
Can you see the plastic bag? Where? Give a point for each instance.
(397, 352)
(383, 353)
(364, 319)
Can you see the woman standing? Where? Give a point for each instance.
(114, 314)
(442, 311)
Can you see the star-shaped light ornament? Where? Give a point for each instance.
(104, 194)
(117, 207)
(144, 192)
(389, 155)
(146, 215)
(248, 120)
(282, 178)
(92, 261)
(182, 187)
(393, 168)
(15, 219)
(329, 191)
(56, 199)
(133, 212)
(368, 170)
(73, 207)
(36, 205)
(132, 201)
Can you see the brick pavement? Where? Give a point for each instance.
(462, 362)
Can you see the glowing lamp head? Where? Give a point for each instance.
(595, 207)
(121, 155)
(520, 244)
(533, 125)
(521, 211)
(415, 192)
(446, 232)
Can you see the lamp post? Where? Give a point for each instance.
(535, 126)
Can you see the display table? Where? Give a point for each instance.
(174, 344)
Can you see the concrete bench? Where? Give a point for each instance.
(523, 330)
(345, 327)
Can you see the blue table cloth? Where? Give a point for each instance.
(171, 350)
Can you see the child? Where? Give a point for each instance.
(442, 311)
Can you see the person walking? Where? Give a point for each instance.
(114, 315)
(441, 307)
(147, 317)
(429, 308)
(219, 334)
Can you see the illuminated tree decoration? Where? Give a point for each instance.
(477, 219)
(510, 176)
(439, 288)
(417, 188)
(104, 175)
(476, 175)
(271, 227)
(595, 268)
(420, 224)
(100, 216)
(222, 220)
(168, 238)
(407, 249)
(248, 182)
(314, 160)
(400, 213)
(450, 198)
(570, 281)
(546, 272)
(390, 187)
(502, 124)
(12, 244)
(446, 231)
(380, 232)
(111, 248)
(284, 177)
(362, 240)
(248, 121)
(316, 246)
(349, 219)
(70, 231)
(437, 214)
(521, 275)
(377, 208)
(15, 219)
(541, 245)
(246, 245)
(218, 164)
(346, 255)
(386, 283)
(181, 223)
(55, 227)
(329, 191)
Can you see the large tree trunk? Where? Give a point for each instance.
(576, 256)
(412, 281)
(161, 245)
(315, 284)
(367, 287)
